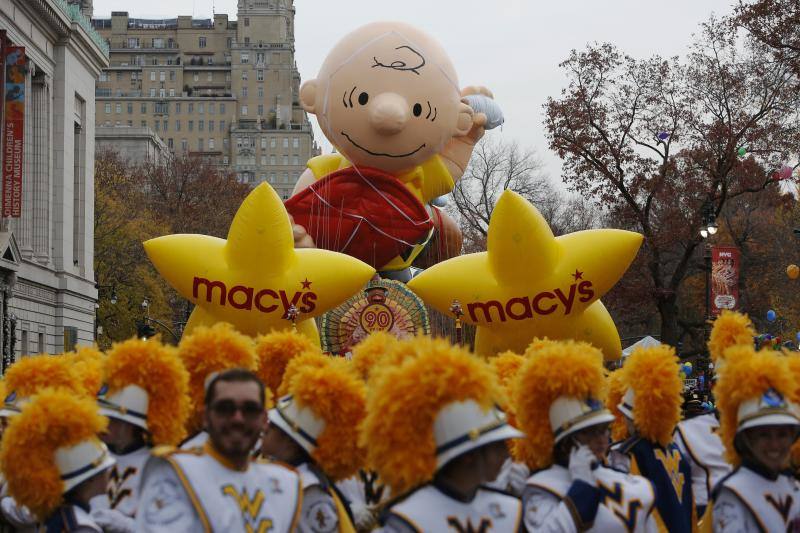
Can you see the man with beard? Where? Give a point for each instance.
(217, 487)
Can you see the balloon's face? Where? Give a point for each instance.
(389, 105)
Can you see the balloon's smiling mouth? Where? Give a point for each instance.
(420, 147)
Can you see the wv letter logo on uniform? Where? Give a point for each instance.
(671, 460)
(250, 509)
(456, 525)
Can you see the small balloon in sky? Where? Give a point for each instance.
(663, 136)
(771, 315)
(742, 151)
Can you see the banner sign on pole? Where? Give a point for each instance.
(16, 68)
(724, 279)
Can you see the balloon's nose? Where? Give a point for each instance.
(388, 113)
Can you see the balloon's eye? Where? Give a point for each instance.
(363, 98)
(417, 110)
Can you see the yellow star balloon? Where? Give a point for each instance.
(530, 283)
(254, 277)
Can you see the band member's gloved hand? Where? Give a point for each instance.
(518, 475)
(582, 462)
(17, 515)
(113, 521)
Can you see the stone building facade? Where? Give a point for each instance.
(47, 288)
(217, 88)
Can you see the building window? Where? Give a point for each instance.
(263, 143)
(184, 144)
(133, 42)
(177, 107)
(260, 91)
(211, 108)
(211, 143)
(286, 142)
(285, 159)
(260, 58)
(144, 108)
(272, 142)
(157, 125)
(162, 93)
(210, 61)
(104, 76)
(169, 143)
(229, 43)
(247, 41)
(108, 108)
(225, 144)
(272, 160)
(191, 108)
(152, 75)
(130, 108)
(154, 61)
(23, 348)
(144, 123)
(285, 178)
(191, 125)
(247, 21)
(196, 76)
(177, 125)
(210, 125)
(161, 108)
(162, 76)
(130, 123)
(172, 93)
(221, 109)
(152, 92)
(200, 144)
(171, 75)
(201, 108)
(41, 342)
(210, 76)
(295, 142)
(244, 74)
(244, 110)
(202, 42)
(263, 160)
(245, 57)
(201, 125)
(158, 43)
(295, 160)
(260, 75)
(165, 126)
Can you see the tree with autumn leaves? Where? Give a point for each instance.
(138, 201)
(653, 141)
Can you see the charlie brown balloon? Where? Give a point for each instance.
(387, 97)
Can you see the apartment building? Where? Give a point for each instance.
(215, 88)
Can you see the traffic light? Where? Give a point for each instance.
(144, 330)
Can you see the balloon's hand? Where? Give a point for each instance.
(301, 238)
(458, 150)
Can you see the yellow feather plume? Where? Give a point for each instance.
(87, 363)
(557, 369)
(157, 369)
(53, 419)
(372, 351)
(616, 390)
(274, 351)
(729, 329)
(403, 401)
(653, 374)
(749, 375)
(32, 374)
(212, 349)
(334, 393)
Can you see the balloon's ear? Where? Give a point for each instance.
(308, 96)
(464, 122)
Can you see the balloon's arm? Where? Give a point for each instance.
(458, 150)
(306, 179)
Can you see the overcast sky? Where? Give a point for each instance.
(511, 46)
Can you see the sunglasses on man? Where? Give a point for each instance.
(227, 409)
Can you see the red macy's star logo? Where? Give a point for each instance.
(577, 275)
(306, 284)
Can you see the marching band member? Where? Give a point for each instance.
(314, 428)
(433, 428)
(697, 437)
(205, 351)
(275, 350)
(558, 400)
(53, 461)
(652, 408)
(758, 425)
(145, 398)
(218, 487)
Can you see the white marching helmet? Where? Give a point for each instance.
(128, 404)
(463, 426)
(569, 415)
(626, 405)
(769, 409)
(82, 461)
(299, 423)
(12, 405)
